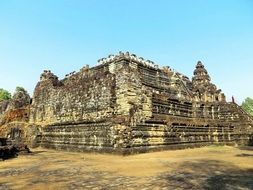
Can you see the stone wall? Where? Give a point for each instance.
(180, 118)
(86, 95)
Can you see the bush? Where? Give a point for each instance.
(4, 95)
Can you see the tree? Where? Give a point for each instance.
(4, 95)
(247, 105)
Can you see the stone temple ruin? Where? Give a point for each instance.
(127, 104)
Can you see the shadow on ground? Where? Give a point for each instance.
(210, 168)
(37, 152)
(249, 148)
(244, 155)
(210, 175)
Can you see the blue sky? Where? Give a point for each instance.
(64, 35)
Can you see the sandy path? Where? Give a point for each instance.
(214, 167)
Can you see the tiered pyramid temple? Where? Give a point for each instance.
(127, 104)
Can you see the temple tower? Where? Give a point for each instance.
(203, 89)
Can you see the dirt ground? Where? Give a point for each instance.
(213, 167)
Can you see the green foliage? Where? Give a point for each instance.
(247, 105)
(4, 95)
